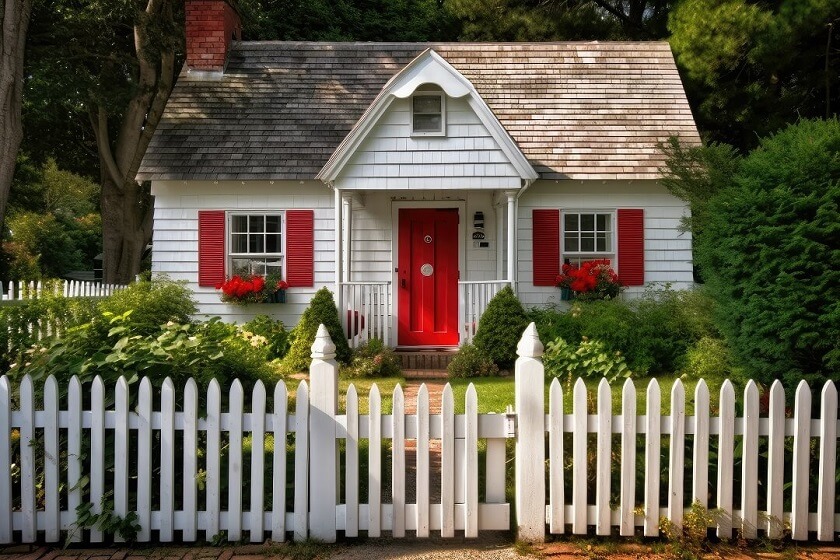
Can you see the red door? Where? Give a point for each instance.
(427, 279)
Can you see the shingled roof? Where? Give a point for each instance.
(577, 110)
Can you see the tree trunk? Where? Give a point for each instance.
(126, 228)
(127, 207)
(14, 20)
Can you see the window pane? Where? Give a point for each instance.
(571, 222)
(273, 267)
(256, 224)
(571, 243)
(239, 243)
(272, 243)
(256, 244)
(426, 104)
(241, 267)
(272, 224)
(587, 222)
(427, 123)
(239, 224)
(603, 222)
(601, 242)
(587, 243)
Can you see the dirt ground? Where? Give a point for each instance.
(488, 547)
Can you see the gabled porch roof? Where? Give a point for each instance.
(428, 68)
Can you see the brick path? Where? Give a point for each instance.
(412, 387)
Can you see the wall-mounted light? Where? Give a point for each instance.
(478, 220)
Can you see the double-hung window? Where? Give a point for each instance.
(428, 114)
(256, 243)
(588, 235)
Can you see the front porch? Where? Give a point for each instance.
(367, 311)
(418, 271)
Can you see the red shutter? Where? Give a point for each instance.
(631, 246)
(300, 248)
(546, 246)
(211, 247)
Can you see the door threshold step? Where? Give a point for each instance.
(425, 360)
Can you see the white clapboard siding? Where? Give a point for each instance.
(122, 420)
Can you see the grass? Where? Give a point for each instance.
(495, 393)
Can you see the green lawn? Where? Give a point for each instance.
(495, 393)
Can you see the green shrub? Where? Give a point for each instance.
(373, 359)
(18, 322)
(275, 333)
(708, 358)
(652, 332)
(771, 255)
(590, 358)
(152, 304)
(321, 310)
(472, 362)
(501, 327)
(203, 351)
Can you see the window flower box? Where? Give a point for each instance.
(242, 290)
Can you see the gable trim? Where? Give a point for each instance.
(428, 67)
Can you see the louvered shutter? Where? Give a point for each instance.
(211, 247)
(300, 248)
(631, 246)
(546, 246)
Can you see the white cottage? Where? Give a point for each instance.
(413, 180)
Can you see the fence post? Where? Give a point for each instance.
(530, 438)
(323, 454)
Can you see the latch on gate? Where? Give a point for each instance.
(510, 422)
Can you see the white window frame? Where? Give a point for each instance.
(442, 96)
(265, 256)
(577, 257)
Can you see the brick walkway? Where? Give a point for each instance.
(412, 387)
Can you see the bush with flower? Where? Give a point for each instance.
(590, 281)
(251, 289)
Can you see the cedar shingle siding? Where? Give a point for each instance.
(585, 110)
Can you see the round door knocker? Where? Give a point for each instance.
(428, 239)
(427, 269)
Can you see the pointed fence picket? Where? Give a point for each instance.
(174, 452)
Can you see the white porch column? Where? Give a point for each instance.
(347, 202)
(512, 219)
(337, 206)
(500, 237)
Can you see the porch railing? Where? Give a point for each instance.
(473, 300)
(366, 311)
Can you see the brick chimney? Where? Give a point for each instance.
(210, 25)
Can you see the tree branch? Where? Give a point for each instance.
(103, 144)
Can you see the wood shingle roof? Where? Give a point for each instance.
(577, 110)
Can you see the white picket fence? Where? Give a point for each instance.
(20, 290)
(171, 465)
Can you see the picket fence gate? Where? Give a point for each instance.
(157, 471)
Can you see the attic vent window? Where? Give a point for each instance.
(428, 116)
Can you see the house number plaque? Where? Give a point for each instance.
(427, 269)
